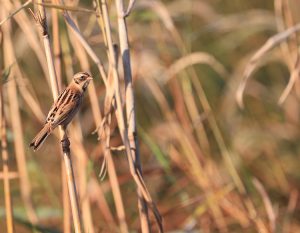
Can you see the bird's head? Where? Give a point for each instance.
(82, 79)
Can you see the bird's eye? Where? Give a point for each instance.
(81, 78)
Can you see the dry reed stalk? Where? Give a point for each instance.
(185, 140)
(194, 113)
(15, 117)
(191, 151)
(293, 199)
(66, 7)
(192, 59)
(168, 22)
(99, 197)
(165, 17)
(289, 22)
(294, 75)
(192, 154)
(57, 65)
(111, 170)
(105, 146)
(22, 83)
(130, 107)
(96, 194)
(134, 170)
(25, 25)
(180, 110)
(67, 53)
(15, 12)
(56, 47)
(255, 59)
(115, 186)
(190, 102)
(81, 168)
(237, 213)
(278, 11)
(268, 204)
(11, 175)
(31, 101)
(41, 19)
(83, 59)
(5, 167)
(84, 43)
(29, 33)
(67, 226)
(108, 161)
(292, 44)
(114, 183)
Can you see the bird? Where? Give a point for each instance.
(64, 108)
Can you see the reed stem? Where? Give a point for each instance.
(42, 20)
(7, 196)
(130, 111)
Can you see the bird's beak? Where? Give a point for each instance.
(89, 78)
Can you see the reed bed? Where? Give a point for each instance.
(190, 124)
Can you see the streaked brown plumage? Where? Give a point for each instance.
(64, 108)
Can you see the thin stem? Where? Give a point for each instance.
(130, 109)
(41, 18)
(84, 43)
(25, 25)
(16, 124)
(66, 202)
(7, 196)
(121, 120)
(57, 64)
(83, 59)
(72, 192)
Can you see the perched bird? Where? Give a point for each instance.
(64, 108)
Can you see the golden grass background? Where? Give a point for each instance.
(216, 103)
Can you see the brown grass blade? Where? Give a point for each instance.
(254, 61)
(84, 43)
(67, 225)
(9, 58)
(121, 121)
(292, 80)
(29, 32)
(267, 202)
(130, 106)
(192, 59)
(15, 12)
(5, 173)
(83, 59)
(66, 8)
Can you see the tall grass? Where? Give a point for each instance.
(201, 97)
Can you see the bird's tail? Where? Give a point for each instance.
(40, 137)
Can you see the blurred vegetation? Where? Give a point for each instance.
(210, 165)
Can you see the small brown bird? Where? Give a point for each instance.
(64, 108)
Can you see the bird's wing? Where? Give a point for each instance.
(64, 108)
(54, 108)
